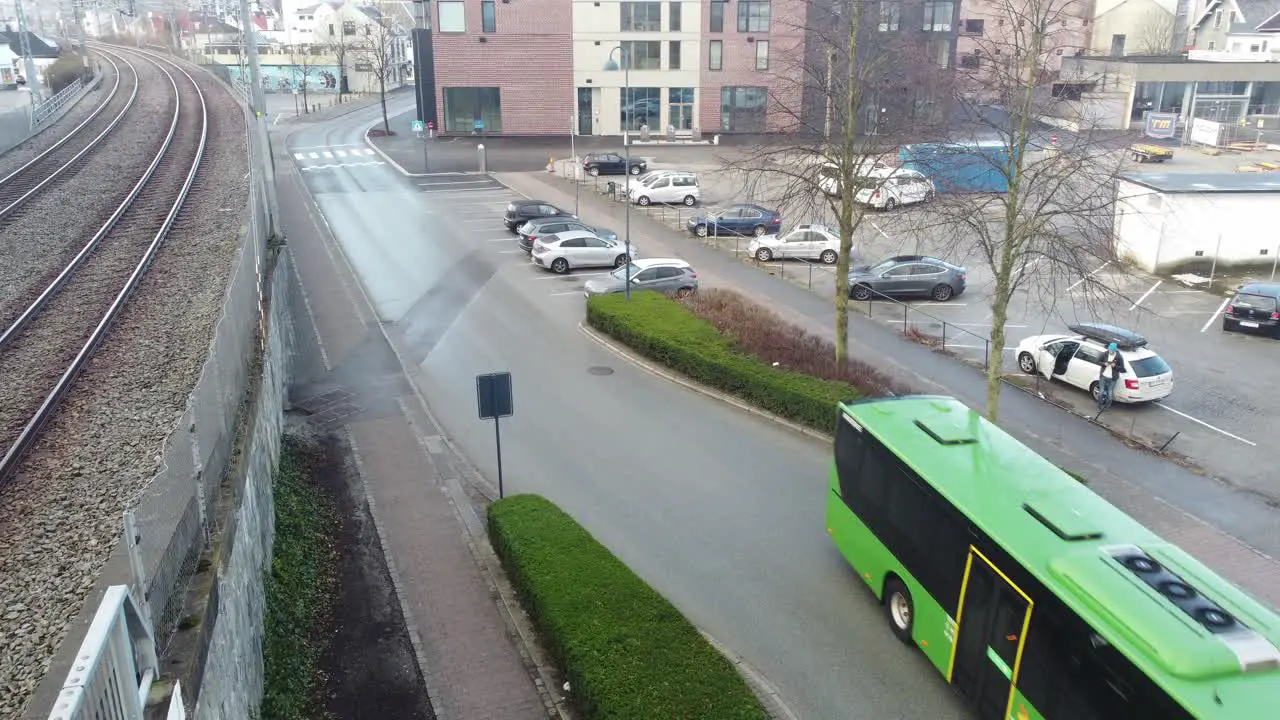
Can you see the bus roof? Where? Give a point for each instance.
(1069, 538)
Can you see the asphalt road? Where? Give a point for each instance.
(720, 511)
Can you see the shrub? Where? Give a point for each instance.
(64, 71)
(625, 650)
(761, 332)
(666, 331)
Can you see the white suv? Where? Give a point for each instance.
(673, 188)
(1077, 360)
(890, 188)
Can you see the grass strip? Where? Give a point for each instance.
(624, 649)
(663, 330)
(299, 588)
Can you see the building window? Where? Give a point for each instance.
(742, 109)
(641, 106)
(753, 16)
(673, 23)
(680, 108)
(642, 54)
(1213, 45)
(453, 16)
(890, 15)
(762, 54)
(641, 16)
(974, 27)
(971, 61)
(715, 55)
(1217, 19)
(473, 109)
(488, 16)
(348, 27)
(937, 15)
(717, 16)
(330, 29)
(673, 55)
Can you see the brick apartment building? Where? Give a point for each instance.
(538, 67)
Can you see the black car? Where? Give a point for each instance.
(520, 212)
(534, 229)
(612, 164)
(1256, 306)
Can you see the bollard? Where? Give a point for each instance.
(481, 159)
(810, 276)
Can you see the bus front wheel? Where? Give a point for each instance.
(899, 609)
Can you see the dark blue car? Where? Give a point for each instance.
(744, 219)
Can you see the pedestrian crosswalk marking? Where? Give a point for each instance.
(341, 153)
(309, 168)
(329, 155)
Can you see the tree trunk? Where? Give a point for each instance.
(999, 315)
(382, 95)
(305, 102)
(847, 190)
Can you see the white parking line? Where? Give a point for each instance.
(494, 190)
(948, 322)
(1086, 277)
(1026, 267)
(939, 304)
(1205, 424)
(460, 182)
(977, 347)
(505, 239)
(1215, 314)
(577, 275)
(1145, 294)
(562, 294)
(882, 233)
(510, 252)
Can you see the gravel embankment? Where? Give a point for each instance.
(61, 515)
(22, 152)
(45, 234)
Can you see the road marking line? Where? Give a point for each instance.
(940, 304)
(510, 252)
(1215, 314)
(948, 322)
(513, 238)
(977, 347)
(1027, 266)
(562, 294)
(460, 182)
(322, 147)
(561, 277)
(367, 151)
(328, 154)
(1145, 294)
(315, 156)
(877, 227)
(299, 156)
(341, 153)
(495, 190)
(1201, 422)
(1086, 277)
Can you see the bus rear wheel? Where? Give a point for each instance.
(899, 609)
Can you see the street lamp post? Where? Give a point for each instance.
(626, 147)
(573, 154)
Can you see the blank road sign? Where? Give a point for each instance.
(493, 395)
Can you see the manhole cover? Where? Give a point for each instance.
(600, 370)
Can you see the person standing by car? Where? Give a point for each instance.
(1112, 366)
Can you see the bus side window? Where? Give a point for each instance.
(848, 460)
(930, 539)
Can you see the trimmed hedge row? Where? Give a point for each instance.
(625, 650)
(665, 331)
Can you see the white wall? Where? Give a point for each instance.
(601, 25)
(1160, 232)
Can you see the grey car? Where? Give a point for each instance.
(908, 276)
(665, 275)
(542, 227)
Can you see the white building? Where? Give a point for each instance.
(665, 41)
(1174, 222)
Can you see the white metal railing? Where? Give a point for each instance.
(115, 666)
(46, 109)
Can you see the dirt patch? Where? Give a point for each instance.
(369, 667)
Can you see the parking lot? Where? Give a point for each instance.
(1225, 403)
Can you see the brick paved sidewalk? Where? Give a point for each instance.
(441, 565)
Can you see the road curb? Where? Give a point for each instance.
(768, 695)
(698, 388)
(368, 141)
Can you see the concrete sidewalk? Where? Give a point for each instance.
(285, 108)
(463, 623)
(1184, 508)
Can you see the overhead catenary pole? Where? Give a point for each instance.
(24, 46)
(257, 102)
(78, 7)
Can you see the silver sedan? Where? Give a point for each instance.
(567, 251)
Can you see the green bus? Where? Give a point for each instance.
(1034, 597)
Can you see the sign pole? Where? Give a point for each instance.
(497, 439)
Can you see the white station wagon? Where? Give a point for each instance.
(1077, 360)
(894, 187)
(806, 242)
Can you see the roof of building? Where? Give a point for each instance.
(1206, 182)
(40, 47)
(1255, 13)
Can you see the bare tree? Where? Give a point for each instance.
(377, 48)
(303, 70)
(343, 49)
(1155, 36)
(1051, 228)
(846, 92)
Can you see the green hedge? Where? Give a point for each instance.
(625, 650)
(663, 330)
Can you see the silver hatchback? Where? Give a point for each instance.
(565, 251)
(665, 275)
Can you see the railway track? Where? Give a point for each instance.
(44, 350)
(60, 160)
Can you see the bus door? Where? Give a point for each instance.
(991, 624)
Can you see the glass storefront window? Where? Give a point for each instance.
(680, 108)
(471, 109)
(742, 109)
(641, 106)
